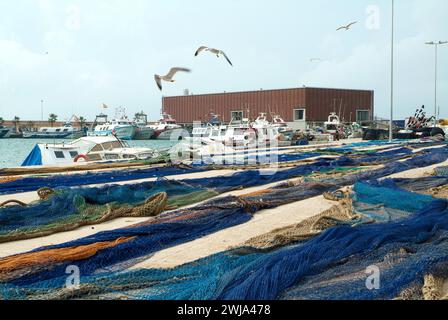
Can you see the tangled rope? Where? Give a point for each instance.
(20, 203)
(433, 287)
(45, 193)
(439, 192)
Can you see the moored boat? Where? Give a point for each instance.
(167, 129)
(142, 130)
(65, 132)
(86, 149)
(3, 131)
(121, 128)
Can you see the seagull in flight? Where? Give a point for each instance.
(217, 52)
(347, 27)
(169, 77)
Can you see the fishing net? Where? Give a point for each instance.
(69, 209)
(267, 276)
(186, 225)
(411, 254)
(70, 180)
(339, 214)
(78, 179)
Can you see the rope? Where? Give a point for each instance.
(20, 203)
(45, 193)
(433, 287)
(77, 168)
(439, 192)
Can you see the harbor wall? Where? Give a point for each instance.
(34, 125)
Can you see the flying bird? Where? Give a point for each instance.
(217, 52)
(169, 77)
(347, 27)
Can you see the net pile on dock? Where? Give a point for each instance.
(331, 265)
(186, 225)
(69, 209)
(90, 178)
(34, 183)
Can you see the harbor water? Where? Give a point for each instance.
(14, 151)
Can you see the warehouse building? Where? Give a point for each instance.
(297, 106)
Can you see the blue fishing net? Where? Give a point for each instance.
(82, 179)
(211, 217)
(34, 183)
(330, 266)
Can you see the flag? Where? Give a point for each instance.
(104, 106)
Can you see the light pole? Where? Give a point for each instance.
(42, 110)
(436, 46)
(392, 77)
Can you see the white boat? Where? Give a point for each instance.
(266, 132)
(65, 132)
(239, 134)
(122, 128)
(86, 149)
(3, 131)
(333, 125)
(167, 128)
(235, 134)
(282, 126)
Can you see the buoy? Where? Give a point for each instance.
(81, 156)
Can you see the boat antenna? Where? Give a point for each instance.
(122, 142)
(340, 108)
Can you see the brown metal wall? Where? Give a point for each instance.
(317, 102)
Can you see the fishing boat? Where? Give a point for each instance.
(3, 131)
(142, 130)
(282, 126)
(238, 133)
(333, 125)
(123, 128)
(65, 132)
(86, 149)
(167, 129)
(267, 132)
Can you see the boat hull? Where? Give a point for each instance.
(51, 135)
(123, 133)
(173, 135)
(3, 132)
(143, 133)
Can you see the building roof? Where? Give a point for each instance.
(268, 90)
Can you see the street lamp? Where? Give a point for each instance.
(392, 77)
(42, 110)
(436, 44)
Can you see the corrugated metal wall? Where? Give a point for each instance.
(318, 103)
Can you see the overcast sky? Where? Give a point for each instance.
(108, 51)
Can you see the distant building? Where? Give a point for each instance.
(297, 106)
